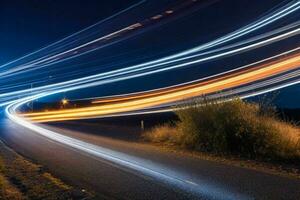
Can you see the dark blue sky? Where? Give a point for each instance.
(28, 25)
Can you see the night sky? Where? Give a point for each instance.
(28, 25)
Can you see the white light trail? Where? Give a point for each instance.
(264, 21)
(136, 164)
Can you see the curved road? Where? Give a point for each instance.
(172, 175)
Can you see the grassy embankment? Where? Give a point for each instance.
(236, 128)
(21, 179)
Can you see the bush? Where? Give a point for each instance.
(162, 134)
(235, 127)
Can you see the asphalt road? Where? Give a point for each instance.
(127, 169)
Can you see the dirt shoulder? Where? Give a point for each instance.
(22, 179)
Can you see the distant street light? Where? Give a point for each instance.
(64, 102)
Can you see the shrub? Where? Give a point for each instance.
(166, 134)
(235, 127)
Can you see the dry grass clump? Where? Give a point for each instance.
(8, 191)
(231, 127)
(162, 134)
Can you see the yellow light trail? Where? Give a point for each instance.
(170, 95)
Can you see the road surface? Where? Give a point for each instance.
(172, 175)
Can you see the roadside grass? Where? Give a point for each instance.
(7, 191)
(22, 179)
(239, 128)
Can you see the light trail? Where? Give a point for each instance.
(135, 71)
(255, 42)
(159, 172)
(144, 101)
(264, 21)
(98, 79)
